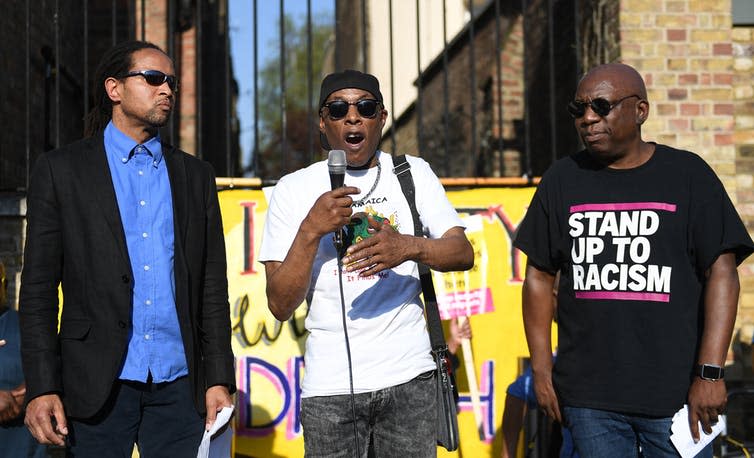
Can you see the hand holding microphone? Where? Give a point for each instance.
(330, 212)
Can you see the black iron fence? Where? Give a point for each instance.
(489, 103)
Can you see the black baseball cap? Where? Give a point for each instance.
(349, 79)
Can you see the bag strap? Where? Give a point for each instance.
(402, 170)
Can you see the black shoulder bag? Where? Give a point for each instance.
(447, 420)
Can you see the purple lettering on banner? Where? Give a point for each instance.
(486, 398)
(286, 385)
(293, 426)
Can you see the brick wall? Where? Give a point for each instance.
(512, 61)
(599, 31)
(188, 103)
(490, 157)
(458, 161)
(155, 22)
(184, 58)
(511, 91)
(700, 95)
(743, 109)
(54, 118)
(187, 94)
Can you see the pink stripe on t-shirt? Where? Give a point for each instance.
(623, 295)
(624, 206)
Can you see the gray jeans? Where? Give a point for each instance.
(395, 421)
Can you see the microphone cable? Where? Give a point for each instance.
(338, 255)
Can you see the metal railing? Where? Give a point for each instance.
(63, 41)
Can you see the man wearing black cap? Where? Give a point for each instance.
(369, 338)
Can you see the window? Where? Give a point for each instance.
(743, 12)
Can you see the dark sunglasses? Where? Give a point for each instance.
(338, 109)
(155, 78)
(600, 106)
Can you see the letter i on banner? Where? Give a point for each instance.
(462, 294)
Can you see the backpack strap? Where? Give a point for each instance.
(402, 170)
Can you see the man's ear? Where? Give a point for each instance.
(322, 137)
(642, 112)
(112, 88)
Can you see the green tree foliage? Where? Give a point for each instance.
(278, 155)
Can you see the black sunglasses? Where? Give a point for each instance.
(600, 106)
(338, 109)
(155, 78)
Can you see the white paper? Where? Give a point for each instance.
(681, 434)
(217, 447)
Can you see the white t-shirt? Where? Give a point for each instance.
(384, 314)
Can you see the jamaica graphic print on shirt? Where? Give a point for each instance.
(621, 236)
(358, 229)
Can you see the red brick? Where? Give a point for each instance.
(722, 49)
(676, 34)
(688, 78)
(633, 49)
(723, 79)
(667, 109)
(723, 139)
(675, 7)
(681, 124)
(724, 109)
(677, 94)
(691, 109)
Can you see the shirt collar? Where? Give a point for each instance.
(121, 147)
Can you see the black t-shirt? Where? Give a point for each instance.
(632, 247)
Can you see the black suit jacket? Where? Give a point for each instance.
(75, 238)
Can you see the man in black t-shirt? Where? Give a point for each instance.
(647, 243)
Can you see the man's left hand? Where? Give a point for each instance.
(385, 249)
(216, 398)
(19, 393)
(10, 408)
(706, 400)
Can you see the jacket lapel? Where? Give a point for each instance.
(179, 191)
(178, 188)
(97, 171)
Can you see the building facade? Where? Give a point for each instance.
(50, 51)
(490, 103)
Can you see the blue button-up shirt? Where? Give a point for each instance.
(142, 188)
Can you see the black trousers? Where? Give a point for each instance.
(159, 417)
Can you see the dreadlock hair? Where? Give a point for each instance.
(115, 63)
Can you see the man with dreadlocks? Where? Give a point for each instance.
(131, 229)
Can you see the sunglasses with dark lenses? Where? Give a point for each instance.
(156, 78)
(600, 106)
(338, 109)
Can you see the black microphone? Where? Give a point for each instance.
(336, 165)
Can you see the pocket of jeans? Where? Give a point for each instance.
(426, 375)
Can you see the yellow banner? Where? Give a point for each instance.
(269, 353)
